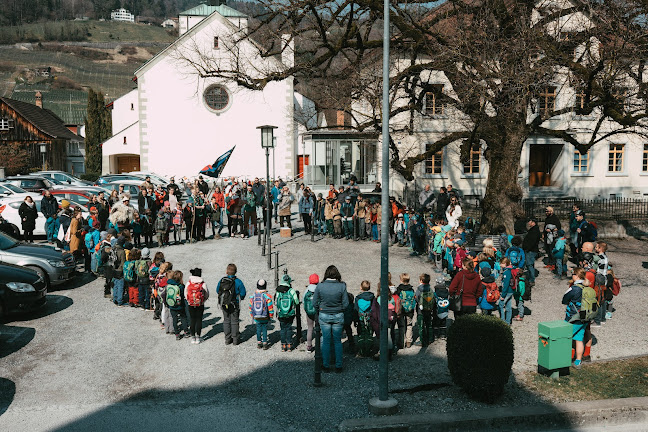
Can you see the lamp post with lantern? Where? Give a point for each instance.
(267, 143)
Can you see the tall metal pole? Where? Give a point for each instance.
(384, 404)
(269, 207)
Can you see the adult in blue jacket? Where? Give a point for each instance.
(331, 300)
(232, 310)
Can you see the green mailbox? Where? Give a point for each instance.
(554, 345)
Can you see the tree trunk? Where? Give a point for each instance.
(501, 203)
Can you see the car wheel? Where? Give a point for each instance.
(42, 274)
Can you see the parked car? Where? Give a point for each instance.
(21, 290)
(7, 227)
(10, 212)
(130, 186)
(139, 177)
(53, 265)
(31, 183)
(79, 196)
(9, 189)
(64, 178)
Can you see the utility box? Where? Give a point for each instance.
(285, 232)
(554, 347)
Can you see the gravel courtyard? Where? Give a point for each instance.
(85, 364)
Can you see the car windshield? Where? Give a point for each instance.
(6, 242)
(50, 181)
(12, 188)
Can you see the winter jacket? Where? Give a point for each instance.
(442, 202)
(269, 303)
(487, 282)
(453, 215)
(558, 251)
(259, 193)
(239, 289)
(361, 209)
(347, 210)
(572, 299)
(118, 271)
(285, 201)
(75, 235)
(330, 297)
(531, 240)
(552, 220)
(471, 287)
(28, 215)
(306, 204)
(506, 281)
(328, 211)
(49, 206)
(361, 301)
(335, 211)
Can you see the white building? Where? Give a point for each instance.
(122, 15)
(170, 23)
(176, 123)
(191, 17)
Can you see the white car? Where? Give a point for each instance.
(9, 190)
(10, 213)
(64, 178)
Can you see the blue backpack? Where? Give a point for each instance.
(515, 256)
(364, 309)
(442, 306)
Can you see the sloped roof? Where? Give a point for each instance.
(70, 105)
(206, 10)
(43, 119)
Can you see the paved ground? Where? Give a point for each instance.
(85, 364)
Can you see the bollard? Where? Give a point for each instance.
(263, 249)
(355, 228)
(258, 228)
(276, 269)
(312, 232)
(318, 354)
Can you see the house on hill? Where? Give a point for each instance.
(38, 131)
(122, 15)
(176, 123)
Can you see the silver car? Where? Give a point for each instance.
(54, 265)
(64, 178)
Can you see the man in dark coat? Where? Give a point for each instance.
(530, 247)
(443, 200)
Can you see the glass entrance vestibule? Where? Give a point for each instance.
(338, 160)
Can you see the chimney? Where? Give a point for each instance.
(39, 99)
(287, 50)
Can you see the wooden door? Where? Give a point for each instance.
(540, 165)
(127, 164)
(301, 161)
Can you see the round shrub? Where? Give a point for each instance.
(480, 355)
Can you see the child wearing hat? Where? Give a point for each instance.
(309, 309)
(287, 303)
(262, 311)
(142, 269)
(196, 293)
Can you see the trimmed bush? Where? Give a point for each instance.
(89, 176)
(480, 355)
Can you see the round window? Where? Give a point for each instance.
(217, 98)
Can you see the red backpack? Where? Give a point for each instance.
(616, 287)
(515, 278)
(492, 292)
(195, 294)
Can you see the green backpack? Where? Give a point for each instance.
(589, 304)
(129, 271)
(365, 342)
(309, 307)
(285, 304)
(408, 300)
(173, 295)
(142, 269)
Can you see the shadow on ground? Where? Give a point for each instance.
(14, 338)
(281, 396)
(55, 303)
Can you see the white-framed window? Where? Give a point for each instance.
(215, 42)
(73, 148)
(6, 123)
(434, 104)
(217, 98)
(434, 164)
(644, 159)
(547, 101)
(615, 158)
(581, 162)
(472, 167)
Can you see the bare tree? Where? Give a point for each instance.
(486, 63)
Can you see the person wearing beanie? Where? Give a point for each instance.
(489, 299)
(91, 239)
(262, 311)
(287, 304)
(309, 309)
(142, 275)
(117, 259)
(196, 293)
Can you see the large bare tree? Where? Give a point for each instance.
(495, 58)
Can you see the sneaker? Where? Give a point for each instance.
(587, 358)
(178, 337)
(283, 347)
(193, 340)
(228, 342)
(266, 346)
(519, 318)
(608, 315)
(577, 364)
(199, 340)
(259, 345)
(595, 325)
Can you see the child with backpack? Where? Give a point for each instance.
(142, 275)
(515, 254)
(161, 280)
(362, 316)
(408, 306)
(348, 321)
(195, 294)
(558, 253)
(580, 310)
(287, 302)
(230, 292)
(489, 299)
(441, 309)
(136, 225)
(130, 278)
(614, 287)
(309, 309)
(425, 310)
(175, 301)
(262, 312)
(161, 227)
(177, 217)
(506, 294)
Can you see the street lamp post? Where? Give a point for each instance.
(383, 404)
(43, 150)
(267, 143)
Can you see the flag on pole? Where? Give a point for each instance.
(217, 167)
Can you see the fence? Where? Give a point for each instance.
(596, 209)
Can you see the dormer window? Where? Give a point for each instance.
(215, 42)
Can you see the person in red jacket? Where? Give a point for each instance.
(468, 281)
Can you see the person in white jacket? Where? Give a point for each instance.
(195, 294)
(453, 212)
